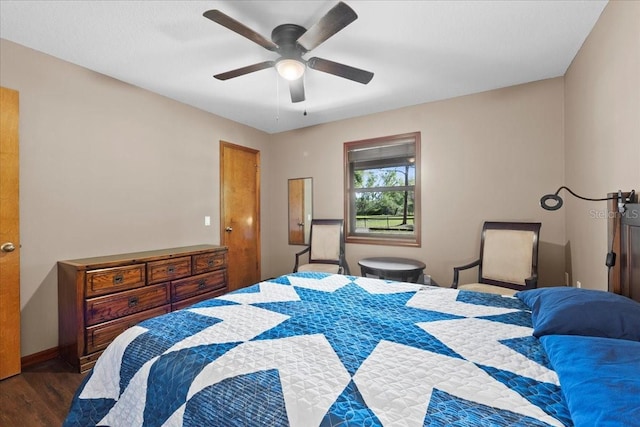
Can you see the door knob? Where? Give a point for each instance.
(7, 247)
(228, 229)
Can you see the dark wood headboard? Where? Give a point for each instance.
(630, 252)
(624, 231)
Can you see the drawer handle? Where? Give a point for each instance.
(118, 279)
(211, 263)
(171, 269)
(133, 301)
(201, 284)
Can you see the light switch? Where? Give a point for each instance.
(207, 220)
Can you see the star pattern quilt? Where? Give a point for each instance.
(314, 349)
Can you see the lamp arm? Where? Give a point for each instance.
(585, 198)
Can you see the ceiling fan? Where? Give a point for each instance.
(291, 42)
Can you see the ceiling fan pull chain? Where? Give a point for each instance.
(305, 107)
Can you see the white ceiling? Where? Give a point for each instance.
(420, 51)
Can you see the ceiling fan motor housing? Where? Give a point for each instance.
(286, 36)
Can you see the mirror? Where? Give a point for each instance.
(300, 210)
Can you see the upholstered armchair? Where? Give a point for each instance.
(326, 248)
(508, 259)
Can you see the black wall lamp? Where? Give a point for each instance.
(557, 200)
(557, 204)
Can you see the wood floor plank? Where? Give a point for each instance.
(39, 396)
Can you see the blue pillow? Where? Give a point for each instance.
(599, 378)
(575, 311)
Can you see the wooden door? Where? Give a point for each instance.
(240, 217)
(9, 236)
(296, 212)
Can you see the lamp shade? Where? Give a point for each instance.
(290, 69)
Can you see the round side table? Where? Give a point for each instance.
(392, 268)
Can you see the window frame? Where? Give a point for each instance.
(349, 193)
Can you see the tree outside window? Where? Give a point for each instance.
(382, 188)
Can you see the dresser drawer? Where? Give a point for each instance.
(98, 337)
(187, 302)
(108, 280)
(109, 307)
(194, 285)
(203, 263)
(169, 269)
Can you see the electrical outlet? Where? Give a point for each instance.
(578, 284)
(207, 221)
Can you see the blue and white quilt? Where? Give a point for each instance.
(314, 349)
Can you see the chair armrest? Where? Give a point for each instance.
(532, 282)
(302, 252)
(345, 267)
(456, 271)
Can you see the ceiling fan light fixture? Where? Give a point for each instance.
(290, 69)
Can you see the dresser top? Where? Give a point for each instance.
(136, 257)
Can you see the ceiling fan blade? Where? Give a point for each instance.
(296, 87)
(335, 20)
(340, 70)
(244, 70)
(227, 21)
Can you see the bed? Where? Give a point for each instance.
(316, 349)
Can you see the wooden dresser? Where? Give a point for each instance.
(100, 297)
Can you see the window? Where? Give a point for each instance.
(382, 190)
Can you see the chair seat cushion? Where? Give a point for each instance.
(325, 268)
(490, 289)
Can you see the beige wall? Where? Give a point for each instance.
(602, 133)
(106, 167)
(488, 156)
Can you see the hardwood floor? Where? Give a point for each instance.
(40, 396)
